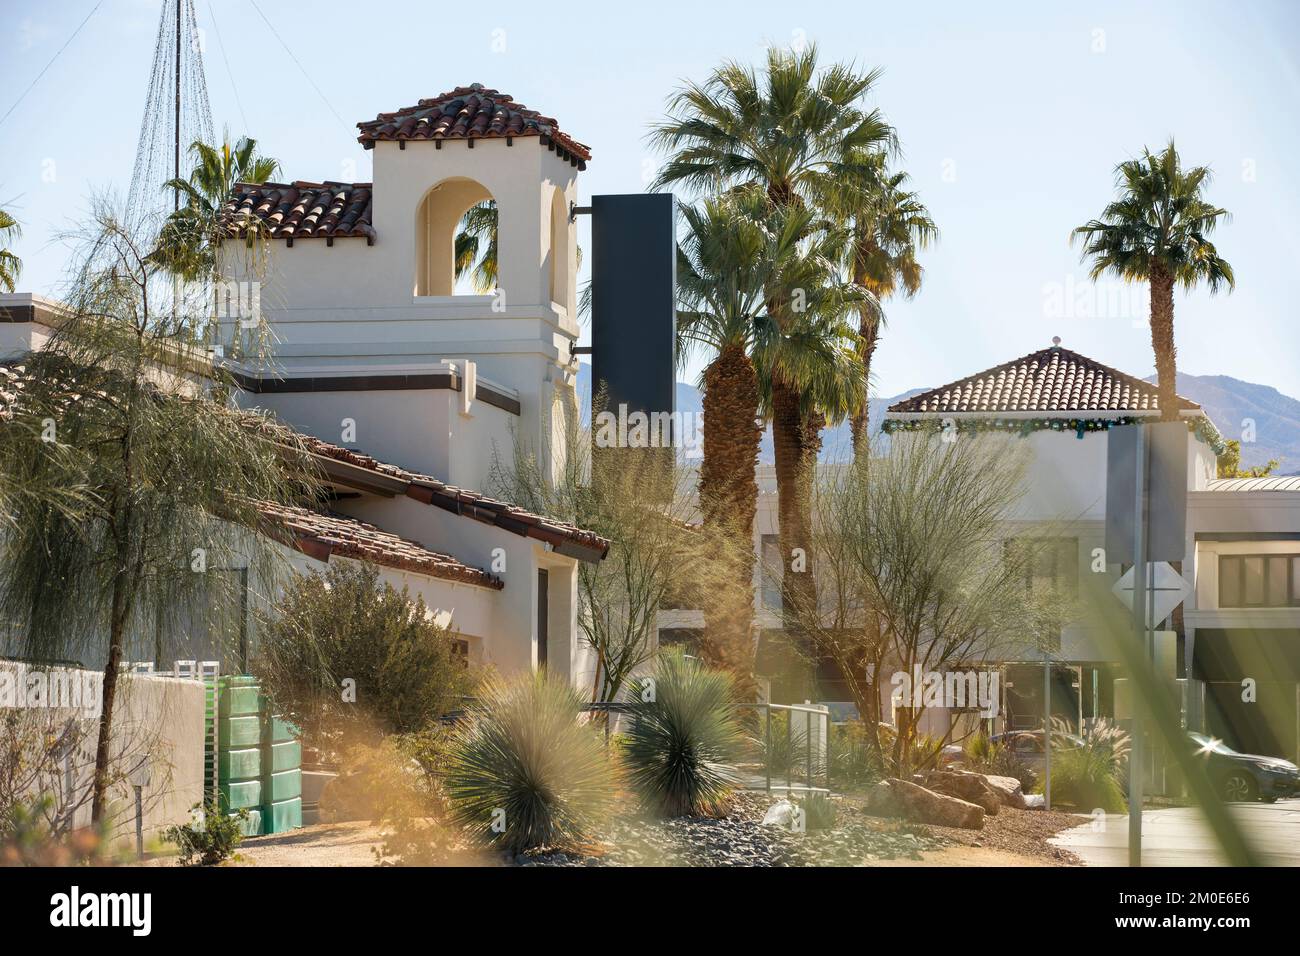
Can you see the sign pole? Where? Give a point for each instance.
(1135, 761)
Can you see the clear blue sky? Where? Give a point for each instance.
(1012, 117)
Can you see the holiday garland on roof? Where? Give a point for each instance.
(1200, 427)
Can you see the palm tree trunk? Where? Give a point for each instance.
(1162, 342)
(729, 502)
(795, 441)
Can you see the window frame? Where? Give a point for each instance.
(1239, 562)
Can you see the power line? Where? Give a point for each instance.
(212, 15)
(51, 63)
(299, 65)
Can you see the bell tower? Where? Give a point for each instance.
(388, 315)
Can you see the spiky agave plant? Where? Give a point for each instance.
(523, 772)
(684, 737)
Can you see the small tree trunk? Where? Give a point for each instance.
(1162, 342)
(795, 441)
(103, 747)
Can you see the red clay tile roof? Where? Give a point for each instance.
(564, 537)
(302, 210)
(1051, 380)
(471, 112)
(322, 535)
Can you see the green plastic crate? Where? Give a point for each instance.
(283, 815)
(283, 731)
(253, 824)
(283, 786)
(242, 794)
(240, 764)
(236, 701)
(286, 756)
(236, 732)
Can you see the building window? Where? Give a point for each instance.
(1052, 564)
(1259, 580)
(772, 571)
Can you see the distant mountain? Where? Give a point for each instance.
(1228, 401)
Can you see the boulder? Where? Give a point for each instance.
(902, 798)
(1009, 789)
(971, 787)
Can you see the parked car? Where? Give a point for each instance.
(1245, 777)
(1028, 745)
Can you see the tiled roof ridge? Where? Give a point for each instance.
(504, 116)
(349, 537)
(303, 209)
(1091, 367)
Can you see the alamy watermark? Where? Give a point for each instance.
(637, 429)
(956, 690)
(52, 690)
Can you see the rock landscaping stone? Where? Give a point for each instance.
(902, 798)
(971, 787)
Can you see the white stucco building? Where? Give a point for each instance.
(409, 388)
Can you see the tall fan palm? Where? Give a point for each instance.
(724, 265)
(11, 266)
(189, 242)
(888, 229)
(1157, 232)
(802, 135)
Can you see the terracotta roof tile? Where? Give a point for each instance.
(1051, 380)
(302, 210)
(564, 537)
(471, 112)
(333, 534)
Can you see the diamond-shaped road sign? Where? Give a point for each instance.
(1169, 586)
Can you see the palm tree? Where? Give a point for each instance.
(888, 230)
(723, 269)
(475, 253)
(801, 135)
(1157, 231)
(11, 266)
(188, 244)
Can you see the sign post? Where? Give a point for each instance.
(1146, 517)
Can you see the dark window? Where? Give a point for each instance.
(1259, 580)
(543, 617)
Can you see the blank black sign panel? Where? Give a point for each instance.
(1167, 491)
(633, 308)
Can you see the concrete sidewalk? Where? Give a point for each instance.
(1179, 836)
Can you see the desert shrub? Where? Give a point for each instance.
(1090, 777)
(819, 812)
(345, 624)
(683, 738)
(984, 755)
(523, 772)
(210, 838)
(27, 837)
(784, 754)
(855, 758)
(396, 785)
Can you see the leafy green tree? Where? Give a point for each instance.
(475, 250)
(1229, 463)
(172, 473)
(1157, 231)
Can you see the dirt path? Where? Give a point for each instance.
(322, 844)
(968, 856)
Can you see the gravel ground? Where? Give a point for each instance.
(740, 839)
(1023, 832)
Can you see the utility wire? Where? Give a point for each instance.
(51, 63)
(212, 15)
(299, 65)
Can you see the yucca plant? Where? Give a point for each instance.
(684, 737)
(523, 772)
